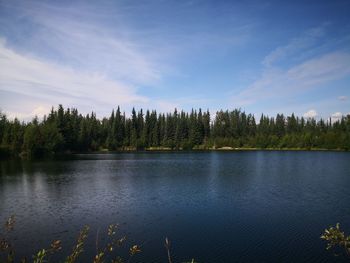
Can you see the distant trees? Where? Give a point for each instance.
(66, 130)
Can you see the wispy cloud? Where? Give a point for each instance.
(295, 46)
(343, 98)
(82, 40)
(287, 73)
(279, 83)
(109, 38)
(53, 84)
(94, 56)
(161, 54)
(30, 87)
(72, 57)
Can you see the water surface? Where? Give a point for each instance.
(214, 206)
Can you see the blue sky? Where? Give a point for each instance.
(260, 56)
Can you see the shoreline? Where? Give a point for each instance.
(221, 149)
(169, 150)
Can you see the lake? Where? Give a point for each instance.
(250, 206)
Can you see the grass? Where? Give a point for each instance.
(336, 239)
(107, 253)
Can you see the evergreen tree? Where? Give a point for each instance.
(68, 131)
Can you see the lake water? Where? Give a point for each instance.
(255, 206)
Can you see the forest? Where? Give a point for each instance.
(68, 131)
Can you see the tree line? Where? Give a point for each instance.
(66, 130)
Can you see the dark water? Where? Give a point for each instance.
(214, 207)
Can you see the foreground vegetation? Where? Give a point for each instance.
(335, 237)
(65, 130)
(337, 240)
(106, 253)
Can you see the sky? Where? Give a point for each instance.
(260, 56)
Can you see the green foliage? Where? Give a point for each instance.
(65, 130)
(78, 248)
(112, 244)
(336, 239)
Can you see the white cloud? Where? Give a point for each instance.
(30, 87)
(81, 40)
(52, 84)
(336, 116)
(72, 58)
(343, 98)
(95, 37)
(95, 57)
(39, 112)
(306, 40)
(294, 70)
(310, 114)
(283, 83)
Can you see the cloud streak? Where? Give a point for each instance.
(36, 85)
(295, 46)
(343, 98)
(83, 41)
(295, 69)
(53, 84)
(159, 54)
(279, 83)
(94, 56)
